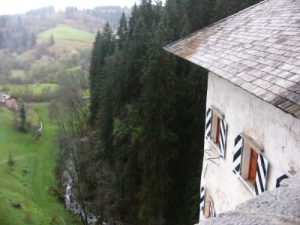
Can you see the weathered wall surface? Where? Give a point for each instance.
(277, 132)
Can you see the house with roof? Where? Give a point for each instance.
(252, 133)
(4, 98)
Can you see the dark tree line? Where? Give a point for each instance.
(147, 113)
(109, 13)
(18, 33)
(42, 11)
(14, 35)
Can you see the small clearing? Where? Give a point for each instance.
(66, 32)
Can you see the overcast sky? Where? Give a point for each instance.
(21, 6)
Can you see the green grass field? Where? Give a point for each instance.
(19, 90)
(28, 182)
(68, 33)
(18, 74)
(73, 70)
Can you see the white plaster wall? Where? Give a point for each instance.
(276, 131)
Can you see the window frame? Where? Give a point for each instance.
(218, 125)
(208, 210)
(248, 145)
(217, 116)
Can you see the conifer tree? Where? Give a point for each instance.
(103, 47)
(23, 118)
(94, 73)
(122, 31)
(32, 40)
(51, 40)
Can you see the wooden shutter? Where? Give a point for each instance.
(237, 154)
(208, 123)
(253, 166)
(261, 174)
(202, 198)
(223, 136)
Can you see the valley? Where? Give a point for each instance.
(30, 182)
(30, 191)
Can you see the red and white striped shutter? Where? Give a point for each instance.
(261, 174)
(208, 123)
(223, 137)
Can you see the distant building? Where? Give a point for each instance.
(252, 138)
(4, 98)
(9, 101)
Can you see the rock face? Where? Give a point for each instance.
(278, 207)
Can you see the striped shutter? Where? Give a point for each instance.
(202, 197)
(237, 154)
(208, 123)
(280, 178)
(222, 136)
(261, 174)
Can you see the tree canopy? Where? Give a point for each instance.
(147, 113)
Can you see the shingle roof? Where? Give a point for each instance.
(257, 49)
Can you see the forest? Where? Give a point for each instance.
(18, 33)
(141, 156)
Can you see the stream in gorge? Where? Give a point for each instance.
(72, 203)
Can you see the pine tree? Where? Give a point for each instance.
(32, 40)
(51, 40)
(23, 118)
(94, 74)
(2, 39)
(10, 161)
(103, 47)
(122, 31)
(132, 19)
(25, 38)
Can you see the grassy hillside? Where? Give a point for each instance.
(18, 74)
(65, 32)
(29, 181)
(19, 90)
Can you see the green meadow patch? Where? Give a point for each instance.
(35, 90)
(65, 32)
(20, 74)
(25, 186)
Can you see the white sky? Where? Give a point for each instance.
(22, 6)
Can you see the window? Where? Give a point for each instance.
(216, 129)
(206, 204)
(250, 164)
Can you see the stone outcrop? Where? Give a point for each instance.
(277, 207)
